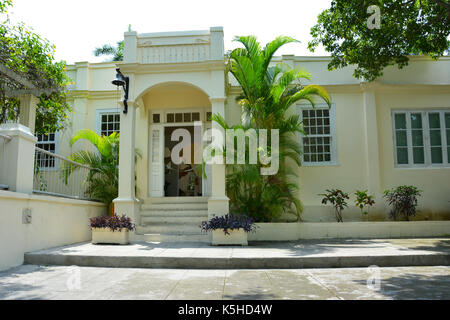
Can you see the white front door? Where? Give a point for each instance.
(207, 182)
(156, 160)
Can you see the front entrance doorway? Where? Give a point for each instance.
(166, 179)
(185, 179)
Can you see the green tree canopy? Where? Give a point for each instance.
(30, 57)
(408, 27)
(109, 50)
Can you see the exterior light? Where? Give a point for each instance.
(122, 81)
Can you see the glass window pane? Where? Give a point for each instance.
(170, 117)
(156, 118)
(434, 120)
(435, 137)
(196, 116)
(418, 156)
(447, 120)
(436, 155)
(178, 117)
(187, 117)
(417, 137)
(402, 155)
(416, 121)
(400, 121)
(401, 138)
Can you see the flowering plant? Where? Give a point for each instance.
(229, 222)
(112, 222)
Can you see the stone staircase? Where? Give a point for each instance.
(174, 219)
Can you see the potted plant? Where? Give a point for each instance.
(364, 200)
(229, 229)
(111, 229)
(403, 200)
(337, 198)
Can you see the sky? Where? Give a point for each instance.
(78, 27)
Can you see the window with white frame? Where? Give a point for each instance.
(422, 138)
(108, 121)
(319, 141)
(46, 142)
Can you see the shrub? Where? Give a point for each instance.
(403, 201)
(363, 200)
(229, 222)
(113, 222)
(337, 198)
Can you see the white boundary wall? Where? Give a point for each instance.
(357, 230)
(54, 222)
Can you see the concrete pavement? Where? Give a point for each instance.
(67, 282)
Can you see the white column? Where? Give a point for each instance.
(218, 203)
(130, 47)
(371, 140)
(127, 203)
(27, 114)
(17, 156)
(216, 44)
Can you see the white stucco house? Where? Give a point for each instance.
(378, 135)
(394, 131)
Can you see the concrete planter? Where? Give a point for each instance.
(237, 237)
(107, 236)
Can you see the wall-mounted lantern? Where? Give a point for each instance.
(122, 81)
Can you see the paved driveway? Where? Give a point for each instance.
(65, 282)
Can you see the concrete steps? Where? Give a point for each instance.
(199, 237)
(173, 219)
(191, 252)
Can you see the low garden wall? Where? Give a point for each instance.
(358, 230)
(54, 222)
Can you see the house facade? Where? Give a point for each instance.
(375, 136)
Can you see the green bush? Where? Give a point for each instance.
(403, 201)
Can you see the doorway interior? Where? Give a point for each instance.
(185, 179)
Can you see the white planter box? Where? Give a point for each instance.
(236, 237)
(107, 236)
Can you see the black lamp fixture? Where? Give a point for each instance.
(122, 81)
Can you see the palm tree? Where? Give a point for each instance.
(103, 180)
(108, 50)
(268, 91)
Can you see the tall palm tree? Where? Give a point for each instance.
(103, 180)
(268, 91)
(108, 50)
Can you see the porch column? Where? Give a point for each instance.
(27, 113)
(218, 203)
(127, 203)
(371, 139)
(17, 157)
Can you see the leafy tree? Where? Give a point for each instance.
(31, 57)
(408, 27)
(267, 94)
(108, 50)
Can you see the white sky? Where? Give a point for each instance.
(78, 27)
